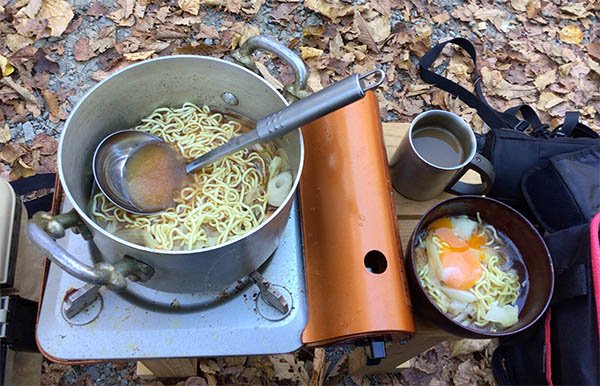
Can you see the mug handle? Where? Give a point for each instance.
(484, 168)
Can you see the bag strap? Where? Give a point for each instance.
(571, 127)
(493, 118)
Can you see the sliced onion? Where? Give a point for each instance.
(275, 167)
(506, 316)
(279, 187)
(458, 295)
(463, 227)
(136, 236)
(433, 255)
(455, 307)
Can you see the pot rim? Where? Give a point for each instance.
(90, 222)
(470, 331)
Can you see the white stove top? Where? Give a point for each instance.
(115, 328)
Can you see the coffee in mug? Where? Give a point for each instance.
(439, 148)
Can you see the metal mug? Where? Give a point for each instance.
(420, 179)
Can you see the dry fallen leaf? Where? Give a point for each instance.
(571, 34)
(4, 134)
(196, 381)
(5, 68)
(337, 367)
(45, 143)
(287, 366)
(594, 66)
(15, 42)
(251, 7)
(465, 374)
(58, 13)
(545, 79)
(441, 18)
(365, 36)
(190, 6)
(264, 72)
(140, 55)
(310, 52)
(82, 50)
(320, 366)
(249, 31)
(123, 15)
(548, 100)
(22, 91)
(577, 10)
(52, 102)
(467, 346)
(11, 152)
(497, 85)
(519, 5)
(593, 49)
(20, 170)
(333, 9)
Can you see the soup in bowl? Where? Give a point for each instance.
(478, 269)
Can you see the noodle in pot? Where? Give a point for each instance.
(225, 200)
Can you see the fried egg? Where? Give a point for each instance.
(461, 252)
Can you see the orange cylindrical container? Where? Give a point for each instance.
(354, 269)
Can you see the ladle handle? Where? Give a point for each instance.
(315, 106)
(299, 113)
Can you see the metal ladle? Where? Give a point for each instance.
(112, 153)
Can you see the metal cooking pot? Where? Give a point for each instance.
(119, 102)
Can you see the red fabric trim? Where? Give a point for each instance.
(548, 347)
(595, 247)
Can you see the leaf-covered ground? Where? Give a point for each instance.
(545, 53)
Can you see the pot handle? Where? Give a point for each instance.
(43, 230)
(243, 55)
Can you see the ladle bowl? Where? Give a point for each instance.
(109, 165)
(112, 154)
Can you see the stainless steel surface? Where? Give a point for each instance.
(243, 325)
(293, 91)
(43, 225)
(119, 102)
(230, 147)
(292, 117)
(270, 294)
(66, 261)
(312, 107)
(418, 179)
(109, 161)
(79, 300)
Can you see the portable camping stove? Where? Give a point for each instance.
(79, 322)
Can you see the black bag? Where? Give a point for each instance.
(513, 145)
(562, 348)
(554, 178)
(563, 193)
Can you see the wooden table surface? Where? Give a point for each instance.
(409, 212)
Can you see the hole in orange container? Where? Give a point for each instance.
(375, 262)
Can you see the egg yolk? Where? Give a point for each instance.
(461, 259)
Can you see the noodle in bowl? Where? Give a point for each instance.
(478, 269)
(121, 101)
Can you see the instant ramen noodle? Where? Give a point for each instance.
(472, 273)
(223, 200)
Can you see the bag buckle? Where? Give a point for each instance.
(521, 126)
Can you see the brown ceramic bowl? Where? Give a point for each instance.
(525, 237)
